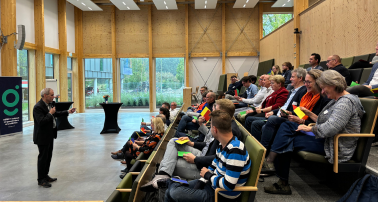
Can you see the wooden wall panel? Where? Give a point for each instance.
(278, 45)
(168, 30)
(132, 31)
(241, 16)
(205, 17)
(345, 28)
(97, 36)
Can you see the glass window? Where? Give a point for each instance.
(49, 63)
(98, 81)
(135, 90)
(273, 21)
(23, 71)
(170, 77)
(69, 80)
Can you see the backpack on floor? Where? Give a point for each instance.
(156, 196)
(363, 190)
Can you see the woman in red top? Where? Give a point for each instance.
(147, 146)
(273, 101)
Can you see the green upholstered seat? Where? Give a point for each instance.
(242, 90)
(126, 183)
(222, 86)
(302, 65)
(264, 67)
(355, 74)
(371, 56)
(359, 158)
(323, 64)
(152, 155)
(361, 57)
(136, 182)
(306, 66)
(347, 62)
(115, 197)
(365, 75)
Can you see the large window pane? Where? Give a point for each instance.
(98, 81)
(273, 21)
(69, 80)
(23, 71)
(135, 82)
(49, 63)
(170, 74)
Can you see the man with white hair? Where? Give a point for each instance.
(173, 111)
(45, 132)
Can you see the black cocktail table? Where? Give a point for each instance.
(62, 121)
(111, 116)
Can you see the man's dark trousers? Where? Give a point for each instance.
(44, 160)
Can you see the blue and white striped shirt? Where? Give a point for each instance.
(230, 168)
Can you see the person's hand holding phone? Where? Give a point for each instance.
(52, 110)
(72, 110)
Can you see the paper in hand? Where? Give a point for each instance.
(181, 153)
(181, 141)
(308, 133)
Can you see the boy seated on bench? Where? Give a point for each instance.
(229, 169)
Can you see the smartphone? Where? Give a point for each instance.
(178, 180)
(253, 108)
(283, 111)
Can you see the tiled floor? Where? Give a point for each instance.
(85, 170)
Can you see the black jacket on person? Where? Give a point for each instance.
(233, 86)
(205, 161)
(297, 98)
(287, 75)
(44, 133)
(344, 72)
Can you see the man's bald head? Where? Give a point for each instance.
(333, 61)
(210, 97)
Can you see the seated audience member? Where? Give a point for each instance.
(173, 111)
(314, 62)
(364, 89)
(229, 169)
(188, 122)
(342, 115)
(250, 92)
(261, 95)
(276, 70)
(133, 150)
(311, 104)
(286, 71)
(366, 64)
(334, 63)
(166, 105)
(202, 153)
(166, 113)
(234, 85)
(272, 102)
(294, 98)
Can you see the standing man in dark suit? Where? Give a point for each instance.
(45, 132)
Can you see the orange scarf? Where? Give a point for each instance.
(309, 101)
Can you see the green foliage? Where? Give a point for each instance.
(180, 71)
(272, 21)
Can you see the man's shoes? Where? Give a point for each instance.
(159, 181)
(122, 175)
(115, 153)
(278, 188)
(49, 179)
(268, 167)
(126, 170)
(44, 183)
(118, 156)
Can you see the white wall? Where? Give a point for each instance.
(70, 16)
(25, 16)
(199, 67)
(51, 24)
(241, 65)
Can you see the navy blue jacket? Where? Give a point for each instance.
(287, 75)
(375, 67)
(297, 98)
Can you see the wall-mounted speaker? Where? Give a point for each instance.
(21, 37)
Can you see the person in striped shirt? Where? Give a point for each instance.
(229, 169)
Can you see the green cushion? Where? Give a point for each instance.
(241, 118)
(242, 90)
(222, 86)
(136, 182)
(355, 74)
(152, 155)
(347, 62)
(244, 132)
(308, 156)
(361, 57)
(306, 66)
(302, 65)
(371, 56)
(264, 67)
(365, 75)
(323, 64)
(116, 196)
(126, 183)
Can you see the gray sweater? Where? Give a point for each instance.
(341, 116)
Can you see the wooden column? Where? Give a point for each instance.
(261, 12)
(299, 6)
(39, 26)
(57, 74)
(79, 85)
(187, 97)
(114, 57)
(223, 38)
(8, 26)
(32, 83)
(151, 62)
(187, 45)
(62, 26)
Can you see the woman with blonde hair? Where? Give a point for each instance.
(133, 150)
(276, 70)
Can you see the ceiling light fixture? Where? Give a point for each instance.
(205, 2)
(205, 6)
(128, 8)
(244, 6)
(83, 3)
(165, 3)
(283, 5)
(89, 8)
(166, 7)
(247, 1)
(288, 1)
(124, 3)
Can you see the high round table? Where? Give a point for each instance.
(111, 116)
(62, 121)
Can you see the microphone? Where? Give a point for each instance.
(52, 104)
